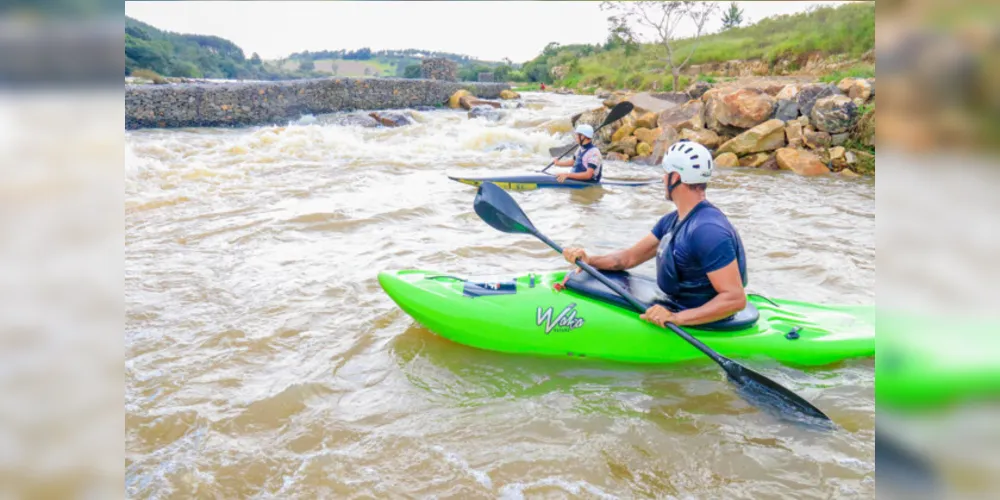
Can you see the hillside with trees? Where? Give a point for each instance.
(193, 56)
(153, 53)
(779, 43)
(394, 63)
(776, 45)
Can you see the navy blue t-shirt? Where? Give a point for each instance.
(704, 244)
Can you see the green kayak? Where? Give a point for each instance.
(528, 315)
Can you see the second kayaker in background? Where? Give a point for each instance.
(587, 161)
(700, 260)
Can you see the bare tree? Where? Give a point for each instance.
(732, 18)
(665, 19)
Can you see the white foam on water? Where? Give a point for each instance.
(516, 491)
(481, 477)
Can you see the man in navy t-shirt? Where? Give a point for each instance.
(700, 261)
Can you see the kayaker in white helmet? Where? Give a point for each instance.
(700, 260)
(586, 162)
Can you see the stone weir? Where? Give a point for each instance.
(259, 103)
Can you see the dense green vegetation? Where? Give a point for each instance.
(848, 29)
(199, 56)
(193, 56)
(858, 71)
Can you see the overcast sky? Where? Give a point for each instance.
(484, 30)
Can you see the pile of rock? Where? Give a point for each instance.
(797, 127)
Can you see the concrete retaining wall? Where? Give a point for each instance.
(258, 103)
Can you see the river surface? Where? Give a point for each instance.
(264, 361)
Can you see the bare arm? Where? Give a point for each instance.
(730, 300)
(563, 163)
(621, 260)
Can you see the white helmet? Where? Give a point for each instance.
(689, 159)
(585, 130)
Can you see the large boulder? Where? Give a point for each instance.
(793, 134)
(705, 137)
(801, 162)
(710, 94)
(615, 156)
(727, 160)
(687, 115)
(767, 136)
(774, 89)
(864, 130)
(643, 149)
(455, 101)
(838, 158)
(469, 102)
(856, 88)
(391, 119)
(509, 94)
(834, 114)
(787, 110)
(771, 163)
(593, 117)
(816, 140)
(755, 160)
(647, 135)
(788, 92)
(676, 98)
(622, 132)
(624, 146)
(812, 92)
(486, 112)
(698, 89)
(668, 136)
(646, 102)
(741, 108)
(647, 120)
(357, 120)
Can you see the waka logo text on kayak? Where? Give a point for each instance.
(564, 322)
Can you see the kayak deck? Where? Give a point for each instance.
(528, 182)
(526, 315)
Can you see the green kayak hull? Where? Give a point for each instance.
(527, 315)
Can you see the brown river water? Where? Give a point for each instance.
(263, 360)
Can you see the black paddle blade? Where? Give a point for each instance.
(559, 151)
(497, 208)
(770, 395)
(618, 112)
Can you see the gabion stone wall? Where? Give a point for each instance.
(257, 103)
(439, 69)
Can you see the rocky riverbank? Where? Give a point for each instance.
(808, 128)
(258, 103)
